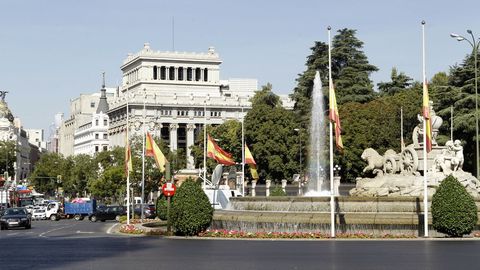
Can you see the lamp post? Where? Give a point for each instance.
(299, 151)
(474, 45)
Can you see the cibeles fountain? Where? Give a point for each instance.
(400, 174)
(388, 202)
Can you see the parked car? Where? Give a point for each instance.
(39, 214)
(108, 213)
(148, 210)
(16, 217)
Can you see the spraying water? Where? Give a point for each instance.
(317, 157)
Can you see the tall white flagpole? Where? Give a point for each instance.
(128, 169)
(143, 156)
(330, 85)
(402, 142)
(425, 192)
(243, 155)
(205, 144)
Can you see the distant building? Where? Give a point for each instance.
(73, 138)
(36, 137)
(180, 91)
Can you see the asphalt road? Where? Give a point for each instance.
(69, 244)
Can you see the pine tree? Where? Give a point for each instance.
(398, 83)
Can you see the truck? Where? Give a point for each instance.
(78, 211)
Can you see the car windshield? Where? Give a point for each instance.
(39, 211)
(15, 211)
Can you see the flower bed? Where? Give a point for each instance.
(294, 235)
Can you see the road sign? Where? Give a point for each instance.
(169, 189)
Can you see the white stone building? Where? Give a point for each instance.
(79, 123)
(178, 88)
(36, 137)
(92, 137)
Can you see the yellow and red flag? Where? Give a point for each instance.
(251, 161)
(216, 152)
(152, 150)
(427, 118)
(128, 158)
(333, 113)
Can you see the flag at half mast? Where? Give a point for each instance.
(152, 150)
(333, 110)
(427, 118)
(216, 152)
(250, 161)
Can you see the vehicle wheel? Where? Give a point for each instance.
(53, 217)
(2, 228)
(93, 219)
(77, 217)
(29, 226)
(117, 218)
(103, 220)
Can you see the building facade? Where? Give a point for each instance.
(181, 92)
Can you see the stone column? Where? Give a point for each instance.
(300, 187)
(284, 185)
(190, 142)
(267, 187)
(173, 137)
(336, 185)
(254, 184)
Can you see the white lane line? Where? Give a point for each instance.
(52, 230)
(109, 231)
(10, 234)
(84, 232)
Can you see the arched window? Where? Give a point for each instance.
(154, 72)
(180, 74)
(197, 74)
(205, 74)
(171, 73)
(189, 74)
(163, 73)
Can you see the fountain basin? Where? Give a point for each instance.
(372, 215)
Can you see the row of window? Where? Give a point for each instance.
(105, 122)
(173, 73)
(104, 147)
(195, 113)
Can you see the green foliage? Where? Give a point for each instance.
(399, 82)
(453, 210)
(161, 207)
(7, 157)
(278, 191)
(191, 213)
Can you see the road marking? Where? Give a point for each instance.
(10, 234)
(52, 230)
(109, 231)
(84, 232)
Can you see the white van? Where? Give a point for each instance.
(136, 200)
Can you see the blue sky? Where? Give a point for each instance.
(51, 51)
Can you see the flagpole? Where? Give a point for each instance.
(402, 142)
(332, 201)
(451, 123)
(425, 192)
(205, 144)
(128, 169)
(143, 156)
(243, 156)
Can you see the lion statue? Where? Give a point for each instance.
(374, 160)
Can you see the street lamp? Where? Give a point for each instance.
(474, 45)
(299, 151)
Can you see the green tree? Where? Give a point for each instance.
(7, 157)
(399, 82)
(191, 212)
(454, 211)
(350, 68)
(82, 170)
(44, 176)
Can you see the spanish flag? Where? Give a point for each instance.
(427, 118)
(128, 158)
(221, 156)
(152, 150)
(249, 160)
(333, 113)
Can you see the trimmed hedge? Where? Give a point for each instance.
(161, 207)
(191, 213)
(453, 210)
(278, 191)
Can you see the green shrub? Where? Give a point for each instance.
(453, 210)
(278, 191)
(191, 213)
(161, 207)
